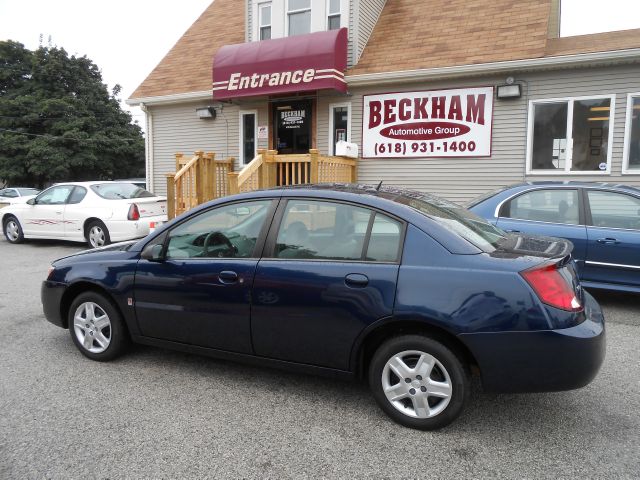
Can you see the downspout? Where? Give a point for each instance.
(148, 141)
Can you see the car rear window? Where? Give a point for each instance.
(455, 218)
(119, 191)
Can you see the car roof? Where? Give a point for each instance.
(576, 184)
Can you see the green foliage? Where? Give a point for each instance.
(59, 122)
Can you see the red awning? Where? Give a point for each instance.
(291, 64)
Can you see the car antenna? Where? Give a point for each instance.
(378, 187)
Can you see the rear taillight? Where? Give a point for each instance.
(552, 288)
(134, 213)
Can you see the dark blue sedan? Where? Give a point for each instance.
(601, 219)
(406, 290)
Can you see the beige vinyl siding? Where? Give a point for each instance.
(177, 129)
(461, 179)
(365, 15)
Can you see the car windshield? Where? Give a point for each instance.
(118, 191)
(28, 191)
(453, 217)
(484, 196)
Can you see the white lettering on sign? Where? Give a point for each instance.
(239, 82)
(439, 123)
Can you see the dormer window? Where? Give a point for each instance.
(265, 20)
(298, 17)
(268, 19)
(333, 14)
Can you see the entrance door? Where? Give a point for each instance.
(292, 126)
(248, 121)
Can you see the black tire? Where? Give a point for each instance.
(12, 230)
(97, 234)
(90, 328)
(421, 402)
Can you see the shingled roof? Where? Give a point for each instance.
(414, 34)
(409, 35)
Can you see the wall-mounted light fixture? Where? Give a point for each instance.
(206, 112)
(510, 90)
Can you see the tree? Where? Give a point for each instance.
(59, 122)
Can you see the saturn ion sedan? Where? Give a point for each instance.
(93, 212)
(403, 289)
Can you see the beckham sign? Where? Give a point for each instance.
(437, 123)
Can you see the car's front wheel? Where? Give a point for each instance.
(97, 234)
(13, 230)
(418, 381)
(96, 327)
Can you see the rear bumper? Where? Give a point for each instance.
(51, 296)
(120, 230)
(541, 361)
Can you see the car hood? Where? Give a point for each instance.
(114, 247)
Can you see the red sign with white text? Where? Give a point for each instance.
(438, 123)
(292, 64)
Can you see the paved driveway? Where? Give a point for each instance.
(155, 413)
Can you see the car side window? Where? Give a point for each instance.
(77, 195)
(229, 231)
(552, 206)
(313, 229)
(384, 242)
(614, 210)
(54, 195)
(8, 193)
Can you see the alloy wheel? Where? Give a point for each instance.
(12, 230)
(416, 384)
(92, 327)
(96, 236)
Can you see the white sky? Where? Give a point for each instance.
(127, 38)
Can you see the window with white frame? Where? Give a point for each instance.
(570, 135)
(298, 17)
(264, 19)
(333, 14)
(339, 124)
(632, 135)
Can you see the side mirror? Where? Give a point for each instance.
(31, 201)
(152, 253)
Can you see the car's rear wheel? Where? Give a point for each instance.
(13, 230)
(97, 234)
(96, 327)
(418, 381)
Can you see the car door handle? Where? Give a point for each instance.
(608, 241)
(227, 276)
(356, 280)
(512, 231)
(59, 213)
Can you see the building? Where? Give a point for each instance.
(451, 97)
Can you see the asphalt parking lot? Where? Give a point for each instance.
(160, 414)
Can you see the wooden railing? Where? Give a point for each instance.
(268, 169)
(202, 178)
(197, 180)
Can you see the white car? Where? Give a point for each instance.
(17, 194)
(95, 212)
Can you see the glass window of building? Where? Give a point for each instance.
(632, 145)
(299, 17)
(265, 20)
(339, 124)
(570, 135)
(333, 14)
